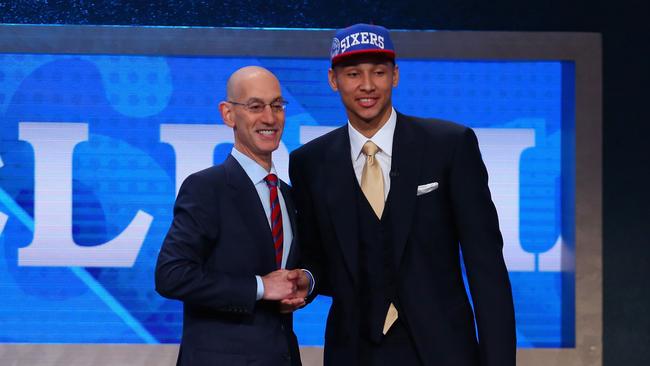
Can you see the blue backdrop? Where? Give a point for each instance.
(93, 149)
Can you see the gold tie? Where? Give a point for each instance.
(372, 186)
(372, 180)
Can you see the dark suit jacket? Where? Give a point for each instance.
(218, 241)
(427, 230)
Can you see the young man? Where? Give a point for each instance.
(383, 203)
(232, 241)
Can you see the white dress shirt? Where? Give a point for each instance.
(384, 140)
(256, 174)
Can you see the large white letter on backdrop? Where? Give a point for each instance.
(52, 244)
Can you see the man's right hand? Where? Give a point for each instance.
(279, 285)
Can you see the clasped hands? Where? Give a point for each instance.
(288, 287)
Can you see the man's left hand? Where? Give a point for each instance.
(301, 280)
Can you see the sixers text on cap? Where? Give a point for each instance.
(361, 39)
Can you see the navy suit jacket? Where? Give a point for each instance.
(426, 233)
(218, 241)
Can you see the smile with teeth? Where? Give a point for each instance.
(266, 132)
(367, 102)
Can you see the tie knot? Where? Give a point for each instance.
(369, 148)
(271, 180)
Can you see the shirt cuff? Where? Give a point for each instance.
(312, 281)
(260, 288)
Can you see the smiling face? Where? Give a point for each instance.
(257, 135)
(366, 87)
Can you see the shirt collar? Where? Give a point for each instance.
(383, 138)
(253, 170)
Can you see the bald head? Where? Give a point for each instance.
(251, 110)
(240, 79)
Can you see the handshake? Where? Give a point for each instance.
(289, 287)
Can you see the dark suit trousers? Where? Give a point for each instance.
(395, 348)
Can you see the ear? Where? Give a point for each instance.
(226, 111)
(395, 75)
(331, 77)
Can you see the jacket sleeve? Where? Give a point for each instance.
(182, 271)
(481, 245)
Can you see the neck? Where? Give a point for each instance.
(264, 160)
(369, 128)
(265, 163)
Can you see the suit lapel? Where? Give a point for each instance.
(247, 202)
(292, 259)
(339, 181)
(405, 169)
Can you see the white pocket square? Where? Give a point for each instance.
(426, 188)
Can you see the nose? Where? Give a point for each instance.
(268, 116)
(367, 84)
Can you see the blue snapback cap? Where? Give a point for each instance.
(361, 39)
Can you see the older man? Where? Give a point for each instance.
(232, 242)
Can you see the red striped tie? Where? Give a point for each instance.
(276, 218)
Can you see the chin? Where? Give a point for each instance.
(370, 114)
(269, 148)
(369, 118)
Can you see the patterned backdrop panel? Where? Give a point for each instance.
(93, 149)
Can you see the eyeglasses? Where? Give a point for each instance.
(255, 106)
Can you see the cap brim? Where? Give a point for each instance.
(389, 54)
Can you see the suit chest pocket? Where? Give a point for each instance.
(430, 202)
